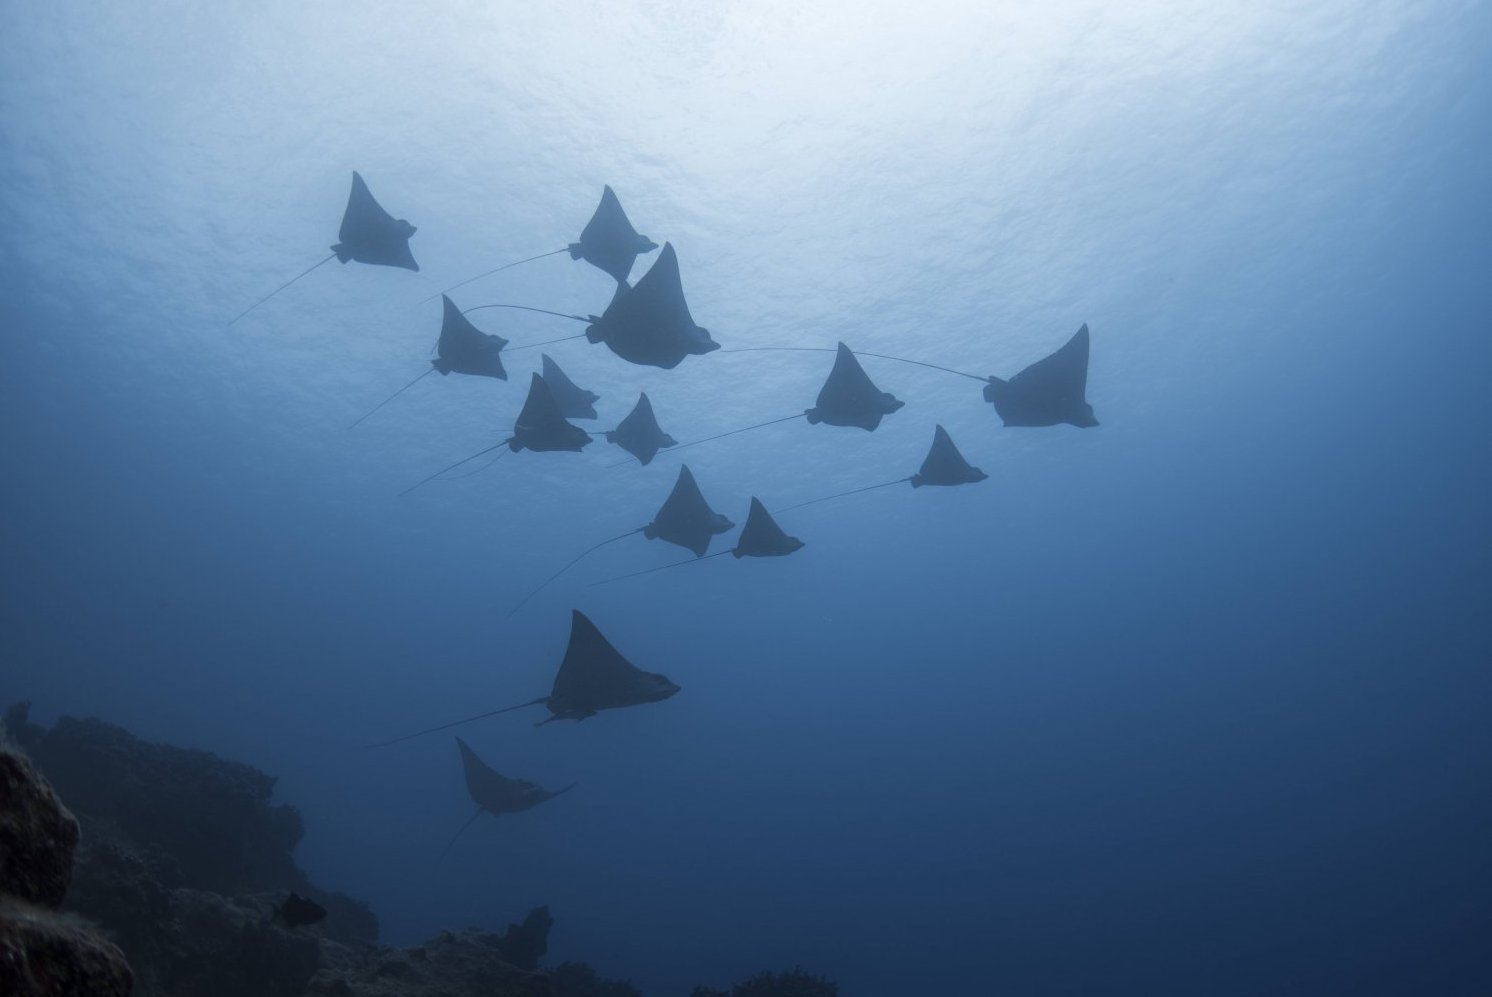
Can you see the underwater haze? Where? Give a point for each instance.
(1194, 701)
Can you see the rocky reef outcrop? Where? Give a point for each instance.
(793, 983)
(44, 953)
(170, 862)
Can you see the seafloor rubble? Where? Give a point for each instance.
(163, 870)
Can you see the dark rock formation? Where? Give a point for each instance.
(46, 955)
(451, 965)
(43, 954)
(231, 948)
(213, 817)
(37, 836)
(576, 979)
(525, 944)
(157, 818)
(794, 983)
(181, 857)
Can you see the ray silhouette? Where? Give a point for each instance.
(540, 427)
(608, 242)
(760, 537)
(465, 349)
(1050, 391)
(461, 349)
(497, 794)
(368, 234)
(593, 676)
(684, 519)
(650, 325)
(849, 397)
(721, 436)
(574, 402)
(639, 433)
(944, 465)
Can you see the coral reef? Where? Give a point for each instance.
(42, 953)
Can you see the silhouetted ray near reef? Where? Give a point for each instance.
(495, 793)
(593, 676)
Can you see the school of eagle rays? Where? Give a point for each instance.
(650, 324)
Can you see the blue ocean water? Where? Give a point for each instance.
(1191, 702)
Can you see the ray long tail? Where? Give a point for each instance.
(568, 565)
(453, 467)
(451, 844)
(528, 308)
(478, 470)
(661, 567)
(547, 342)
(458, 723)
(489, 273)
(719, 436)
(852, 491)
(390, 398)
(858, 353)
(282, 287)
